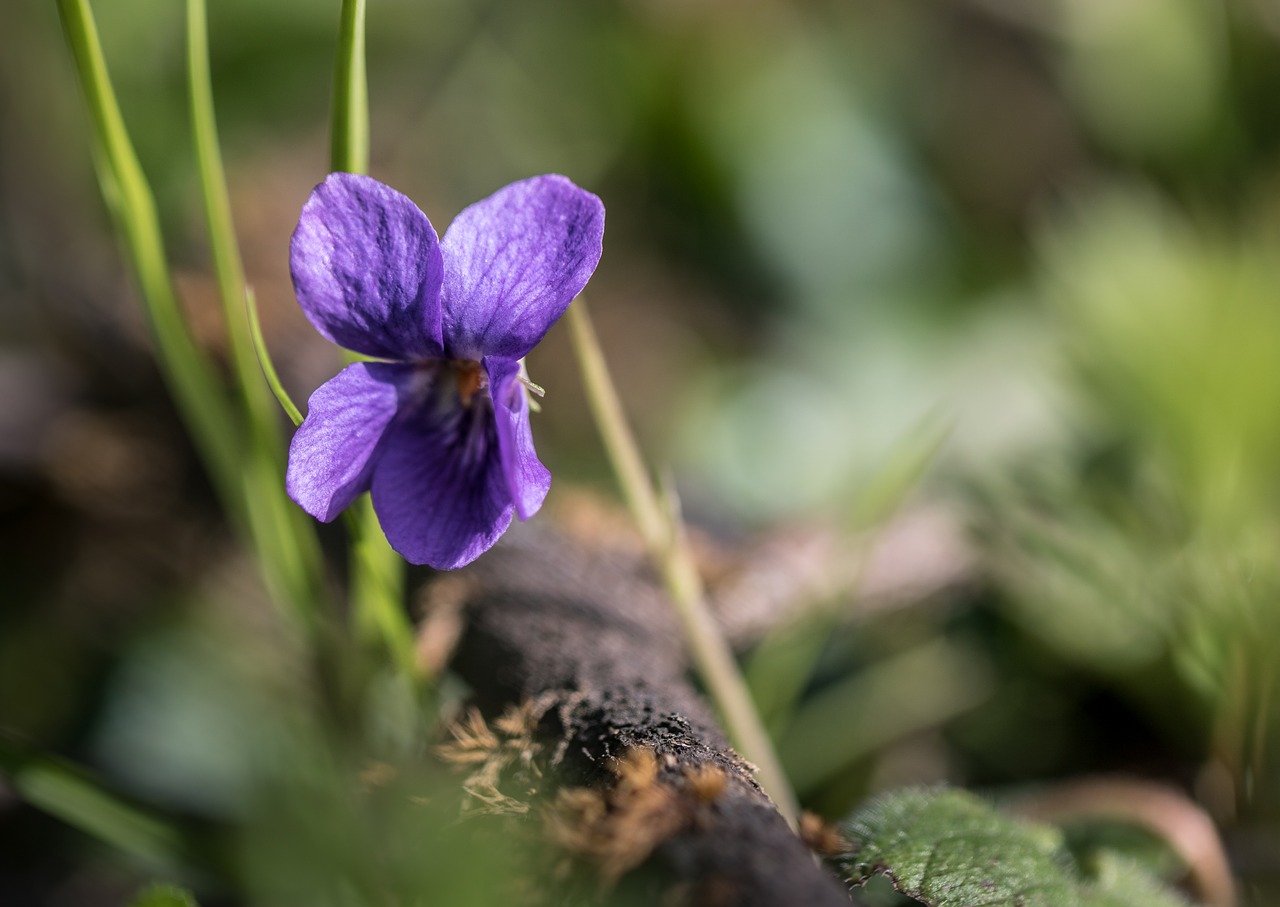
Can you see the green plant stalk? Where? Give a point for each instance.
(219, 434)
(288, 550)
(664, 537)
(377, 572)
(268, 367)
(349, 139)
(377, 590)
(191, 378)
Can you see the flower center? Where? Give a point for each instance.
(470, 379)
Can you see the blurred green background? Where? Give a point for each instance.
(1009, 264)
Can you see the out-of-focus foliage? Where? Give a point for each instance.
(1148, 76)
(164, 896)
(1161, 545)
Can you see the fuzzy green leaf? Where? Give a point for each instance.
(947, 848)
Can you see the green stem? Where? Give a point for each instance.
(228, 268)
(268, 367)
(377, 572)
(664, 537)
(349, 141)
(288, 551)
(377, 590)
(191, 378)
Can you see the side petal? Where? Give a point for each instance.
(333, 451)
(438, 488)
(366, 267)
(513, 262)
(527, 479)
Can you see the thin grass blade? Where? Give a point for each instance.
(191, 377)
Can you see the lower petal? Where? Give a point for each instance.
(527, 479)
(438, 489)
(333, 452)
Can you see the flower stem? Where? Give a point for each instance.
(664, 537)
(349, 138)
(377, 590)
(288, 551)
(377, 572)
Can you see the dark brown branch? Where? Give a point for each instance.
(637, 779)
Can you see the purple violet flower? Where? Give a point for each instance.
(438, 430)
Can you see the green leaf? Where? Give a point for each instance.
(63, 791)
(1122, 883)
(161, 895)
(947, 848)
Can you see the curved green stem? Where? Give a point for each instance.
(265, 364)
(664, 536)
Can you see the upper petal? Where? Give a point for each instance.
(438, 488)
(527, 479)
(367, 269)
(513, 262)
(333, 452)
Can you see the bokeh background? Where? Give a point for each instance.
(994, 279)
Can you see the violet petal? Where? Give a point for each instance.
(366, 267)
(439, 489)
(527, 479)
(333, 452)
(513, 262)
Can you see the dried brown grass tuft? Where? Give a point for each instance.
(504, 755)
(618, 828)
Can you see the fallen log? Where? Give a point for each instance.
(588, 723)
